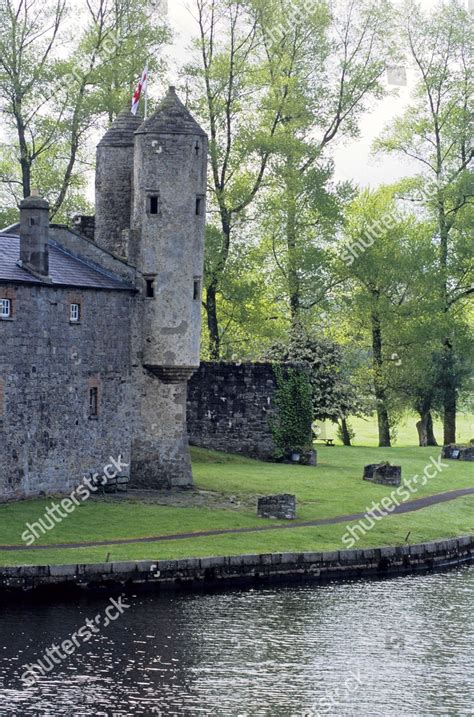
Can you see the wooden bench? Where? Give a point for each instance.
(327, 441)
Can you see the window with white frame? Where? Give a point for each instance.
(75, 313)
(5, 308)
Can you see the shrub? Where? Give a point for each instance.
(291, 426)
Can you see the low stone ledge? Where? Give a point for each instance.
(62, 571)
(288, 558)
(126, 567)
(383, 473)
(388, 552)
(312, 557)
(327, 565)
(280, 507)
(33, 571)
(331, 556)
(348, 557)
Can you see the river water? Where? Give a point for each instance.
(401, 647)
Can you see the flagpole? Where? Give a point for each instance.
(146, 95)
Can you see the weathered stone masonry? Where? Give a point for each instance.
(100, 334)
(230, 407)
(47, 367)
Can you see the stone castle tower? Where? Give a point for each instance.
(101, 329)
(150, 210)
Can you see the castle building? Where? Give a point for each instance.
(100, 335)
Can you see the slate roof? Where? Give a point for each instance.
(171, 117)
(64, 269)
(121, 132)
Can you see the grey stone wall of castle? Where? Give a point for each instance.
(230, 408)
(48, 367)
(99, 335)
(113, 184)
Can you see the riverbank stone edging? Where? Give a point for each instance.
(221, 571)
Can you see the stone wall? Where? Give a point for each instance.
(230, 406)
(229, 571)
(85, 225)
(47, 369)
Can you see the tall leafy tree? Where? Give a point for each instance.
(382, 269)
(437, 132)
(329, 60)
(56, 85)
(275, 85)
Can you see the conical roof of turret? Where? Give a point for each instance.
(121, 131)
(171, 117)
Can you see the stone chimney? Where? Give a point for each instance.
(34, 229)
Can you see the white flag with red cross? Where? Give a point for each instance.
(141, 89)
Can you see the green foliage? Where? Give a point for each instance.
(57, 87)
(292, 426)
(333, 393)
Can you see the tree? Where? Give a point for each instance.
(333, 394)
(329, 61)
(386, 253)
(276, 93)
(55, 89)
(437, 131)
(234, 100)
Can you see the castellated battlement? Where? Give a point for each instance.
(99, 338)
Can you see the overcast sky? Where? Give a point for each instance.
(353, 158)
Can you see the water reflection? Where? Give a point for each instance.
(397, 647)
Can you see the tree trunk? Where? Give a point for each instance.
(449, 399)
(25, 162)
(212, 322)
(430, 432)
(424, 427)
(379, 386)
(345, 434)
(448, 377)
(294, 290)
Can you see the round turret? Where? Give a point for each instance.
(113, 183)
(168, 238)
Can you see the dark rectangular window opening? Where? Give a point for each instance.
(93, 402)
(5, 308)
(150, 288)
(197, 290)
(32, 222)
(75, 313)
(199, 206)
(154, 204)
(197, 148)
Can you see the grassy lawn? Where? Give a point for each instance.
(333, 488)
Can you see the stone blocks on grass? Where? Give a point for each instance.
(457, 452)
(282, 507)
(383, 473)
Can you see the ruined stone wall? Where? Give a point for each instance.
(48, 441)
(230, 406)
